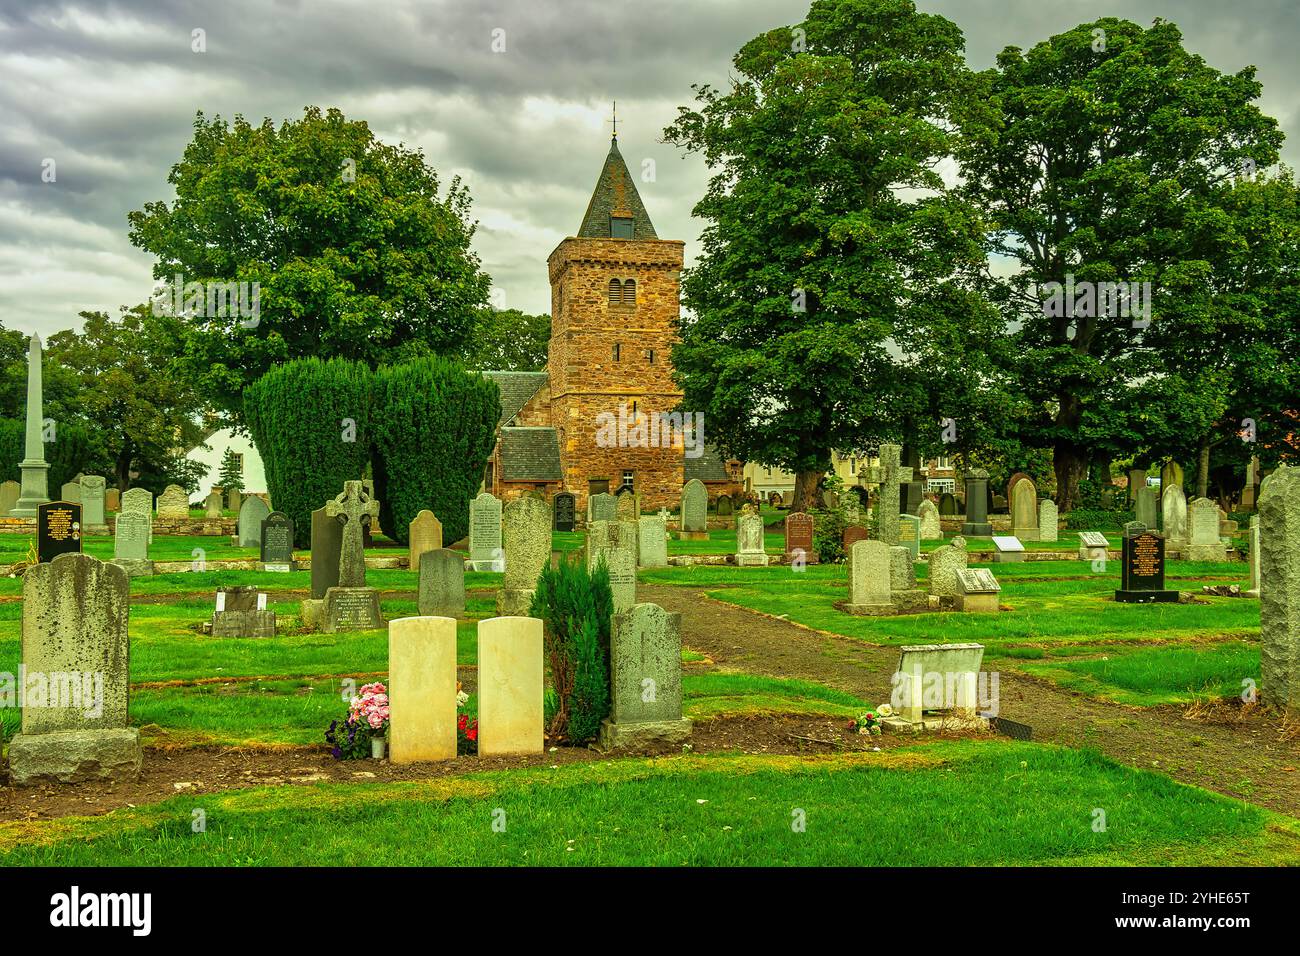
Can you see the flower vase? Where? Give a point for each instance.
(377, 746)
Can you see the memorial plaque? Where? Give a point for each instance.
(277, 542)
(1093, 539)
(564, 511)
(799, 537)
(978, 581)
(1008, 547)
(58, 529)
(1143, 571)
(351, 609)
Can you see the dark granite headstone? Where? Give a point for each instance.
(948, 504)
(326, 546)
(1142, 574)
(977, 513)
(799, 537)
(277, 541)
(724, 505)
(58, 529)
(564, 508)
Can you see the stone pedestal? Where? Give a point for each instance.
(1206, 552)
(976, 602)
(75, 756)
(692, 536)
(351, 609)
(977, 505)
(751, 560)
(642, 734)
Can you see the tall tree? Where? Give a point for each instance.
(835, 275)
(1110, 141)
(355, 251)
(507, 340)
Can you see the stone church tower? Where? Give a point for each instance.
(614, 305)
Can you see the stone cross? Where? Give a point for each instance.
(353, 505)
(890, 476)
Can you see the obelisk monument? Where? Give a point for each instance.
(35, 489)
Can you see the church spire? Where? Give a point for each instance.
(615, 210)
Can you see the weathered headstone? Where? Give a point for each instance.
(928, 512)
(112, 500)
(326, 545)
(977, 509)
(138, 501)
(1024, 510)
(749, 542)
(510, 686)
(1144, 509)
(1173, 512)
(1279, 589)
(276, 542)
(70, 491)
(527, 531)
(58, 529)
(485, 552)
(602, 507)
(1137, 478)
(1142, 575)
(75, 613)
(1008, 547)
(977, 590)
(945, 561)
(421, 689)
(645, 662)
(851, 536)
(131, 543)
(935, 685)
(351, 605)
(212, 504)
(652, 542)
(799, 538)
(1204, 529)
(909, 534)
(425, 534)
(1171, 475)
(830, 500)
(174, 502)
(350, 609)
(251, 515)
(695, 510)
(242, 612)
(890, 476)
(869, 578)
(234, 500)
(9, 492)
(1048, 523)
(564, 507)
(724, 505)
(621, 565)
(948, 505)
(902, 580)
(627, 506)
(441, 583)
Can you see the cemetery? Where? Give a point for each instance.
(905, 578)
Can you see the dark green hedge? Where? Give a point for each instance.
(434, 430)
(11, 449)
(576, 608)
(295, 413)
(69, 454)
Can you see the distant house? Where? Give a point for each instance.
(210, 458)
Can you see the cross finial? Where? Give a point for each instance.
(614, 119)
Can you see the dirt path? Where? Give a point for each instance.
(1246, 760)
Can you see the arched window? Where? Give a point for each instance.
(615, 292)
(629, 292)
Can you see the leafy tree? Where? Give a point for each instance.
(507, 340)
(230, 478)
(139, 410)
(310, 420)
(1109, 146)
(354, 251)
(434, 430)
(834, 302)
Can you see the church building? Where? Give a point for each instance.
(590, 423)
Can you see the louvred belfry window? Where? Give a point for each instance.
(629, 292)
(615, 292)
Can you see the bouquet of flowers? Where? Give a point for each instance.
(371, 707)
(367, 719)
(869, 723)
(466, 729)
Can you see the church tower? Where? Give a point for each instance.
(614, 305)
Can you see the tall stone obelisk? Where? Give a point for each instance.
(36, 489)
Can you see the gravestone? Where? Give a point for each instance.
(627, 506)
(977, 590)
(1092, 546)
(70, 491)
(869, 579)
(9, 492)
(241, 612)
(1144, 511)
(510, 686)
(909, 534)
(928, 512)
(652, 542)
(1048, 524)
(351, 605)
(75, 614)
(1024, 510)
(1279, 590)
(645, 664)
(1008, 547)
(131, 544)
(425, 534)
(948, 505)
(1137, 478)
(92, 501)
(945, 561)
(234, 501)
(112, 499)
(174, 502)
(1142, 575)
(724, 505)
(527, 530)
(485, 552)
(695, 511)
(902, 580)
(1204, 530)
(1173, 512)
(421, 689)
(565, 504)
(442, 583)
(890, 476)
(277, 543)
(58, 529)
(602, 507)
(998, 505)
(799, 538)
(621, 565)
(251, 515)
(138, 501)
(977, 509)
(925, 668)
(604, 536)
(212, 505)
(1252, 589)
(326, 544)
(851, 535)
(749, 542)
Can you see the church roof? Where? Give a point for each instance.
(516, 389)
(707, 467)
(615, 196)
(530, 454)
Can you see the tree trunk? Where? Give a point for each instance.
(1068, 463)
(1203, 470)
(805, 491)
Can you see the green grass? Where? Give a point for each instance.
(935, 805)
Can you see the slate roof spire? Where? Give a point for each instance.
(615, 203)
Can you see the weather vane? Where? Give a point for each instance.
(614, 120)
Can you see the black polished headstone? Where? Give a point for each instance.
(1142, 573)
(563, 511)
(58, 529)
(277, 538)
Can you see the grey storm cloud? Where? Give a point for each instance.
(109, 90)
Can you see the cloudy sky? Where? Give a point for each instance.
(108, 91)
